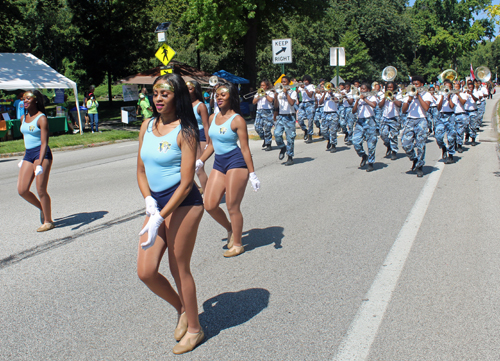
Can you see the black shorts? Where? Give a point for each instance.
(193, 198)
(31, 155)
(230, 160)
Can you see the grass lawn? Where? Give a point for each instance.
(66, 140)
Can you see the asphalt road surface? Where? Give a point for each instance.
(340, 264)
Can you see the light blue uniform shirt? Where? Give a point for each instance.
(223, 138)
(32, 134)
(162, 158)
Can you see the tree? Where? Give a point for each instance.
(241, 23)
(115, 36)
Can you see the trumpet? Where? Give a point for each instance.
(389, 95)
(389, 73)
(483, 74)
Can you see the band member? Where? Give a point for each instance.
(347, 118)
(415, 129)
(318, 113)
(366, 127)
(471, 108)
(390, 124)
(482, 108)
(433, 112)
(461, 115)
(446, 124)
(306, 108)
(37, 160)
(378, 111)
(340, 107)
(168, 143)
(284, 102)
(264, 119)
(330, 124)
(232, 166)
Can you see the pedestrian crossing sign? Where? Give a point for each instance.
(165, 53)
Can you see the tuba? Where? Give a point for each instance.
(449, 74)
(483, 74)
(389, 73)
(213, 80)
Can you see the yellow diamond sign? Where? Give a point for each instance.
(165, 54)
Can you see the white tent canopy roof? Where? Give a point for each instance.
(26, 71)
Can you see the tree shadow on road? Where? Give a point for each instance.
(231, 309)
(79, 219)
(8, 160)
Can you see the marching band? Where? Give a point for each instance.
(363, 112)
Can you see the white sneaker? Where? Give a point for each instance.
(92, 131)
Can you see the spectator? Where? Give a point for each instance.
(92, 105)
(144, 105)
(85, 100)
(19, 105)
(206, 101)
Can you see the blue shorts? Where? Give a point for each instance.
(202, 135)
(162, 198)
(34, 153)
(230, 160)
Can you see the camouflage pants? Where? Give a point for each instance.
(446, 124)
(285, 123)
(366, 129)
(389, 131)
(461, 124)
(306, 112)
(263, 124)
(415, 133)
(330, 126)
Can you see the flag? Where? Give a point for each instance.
(472, 72)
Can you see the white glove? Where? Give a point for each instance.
(255, 181)
(38, 170)
(151, 227)
(151, 206)
(198, 166)
(20, 164)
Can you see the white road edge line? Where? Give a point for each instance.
(363, 329)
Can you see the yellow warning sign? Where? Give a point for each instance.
(279, 79)
(166, 71)
(165, 54)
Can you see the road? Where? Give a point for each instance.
(340, 264)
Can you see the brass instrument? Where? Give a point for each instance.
(374, 84)
(483, 74)
(329, 87)
(389, 95)
(355, 92)
(449, 74)
(389, 73)
(369, 94)
(213, 80)
(260, 92)
(411, 90)
(444, 90)
(279, 88)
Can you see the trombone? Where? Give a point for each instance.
(260, 92)
(389, 95)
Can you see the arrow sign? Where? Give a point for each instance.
(281, 51)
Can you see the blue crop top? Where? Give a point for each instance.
(198, 116)
(162, 158)
(32, 133)
(223, 138)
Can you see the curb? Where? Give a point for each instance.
(73, 147)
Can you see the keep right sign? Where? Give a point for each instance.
(282, 51)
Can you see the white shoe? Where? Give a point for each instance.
(92, 132)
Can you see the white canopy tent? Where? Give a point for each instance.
(25, 71)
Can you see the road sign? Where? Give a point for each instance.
(282, 51)
(333, 56)
(166, 70)
(165, 54)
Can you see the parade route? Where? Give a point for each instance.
(339, 264)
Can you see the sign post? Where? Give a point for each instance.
(337, 58)
(282, 52)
